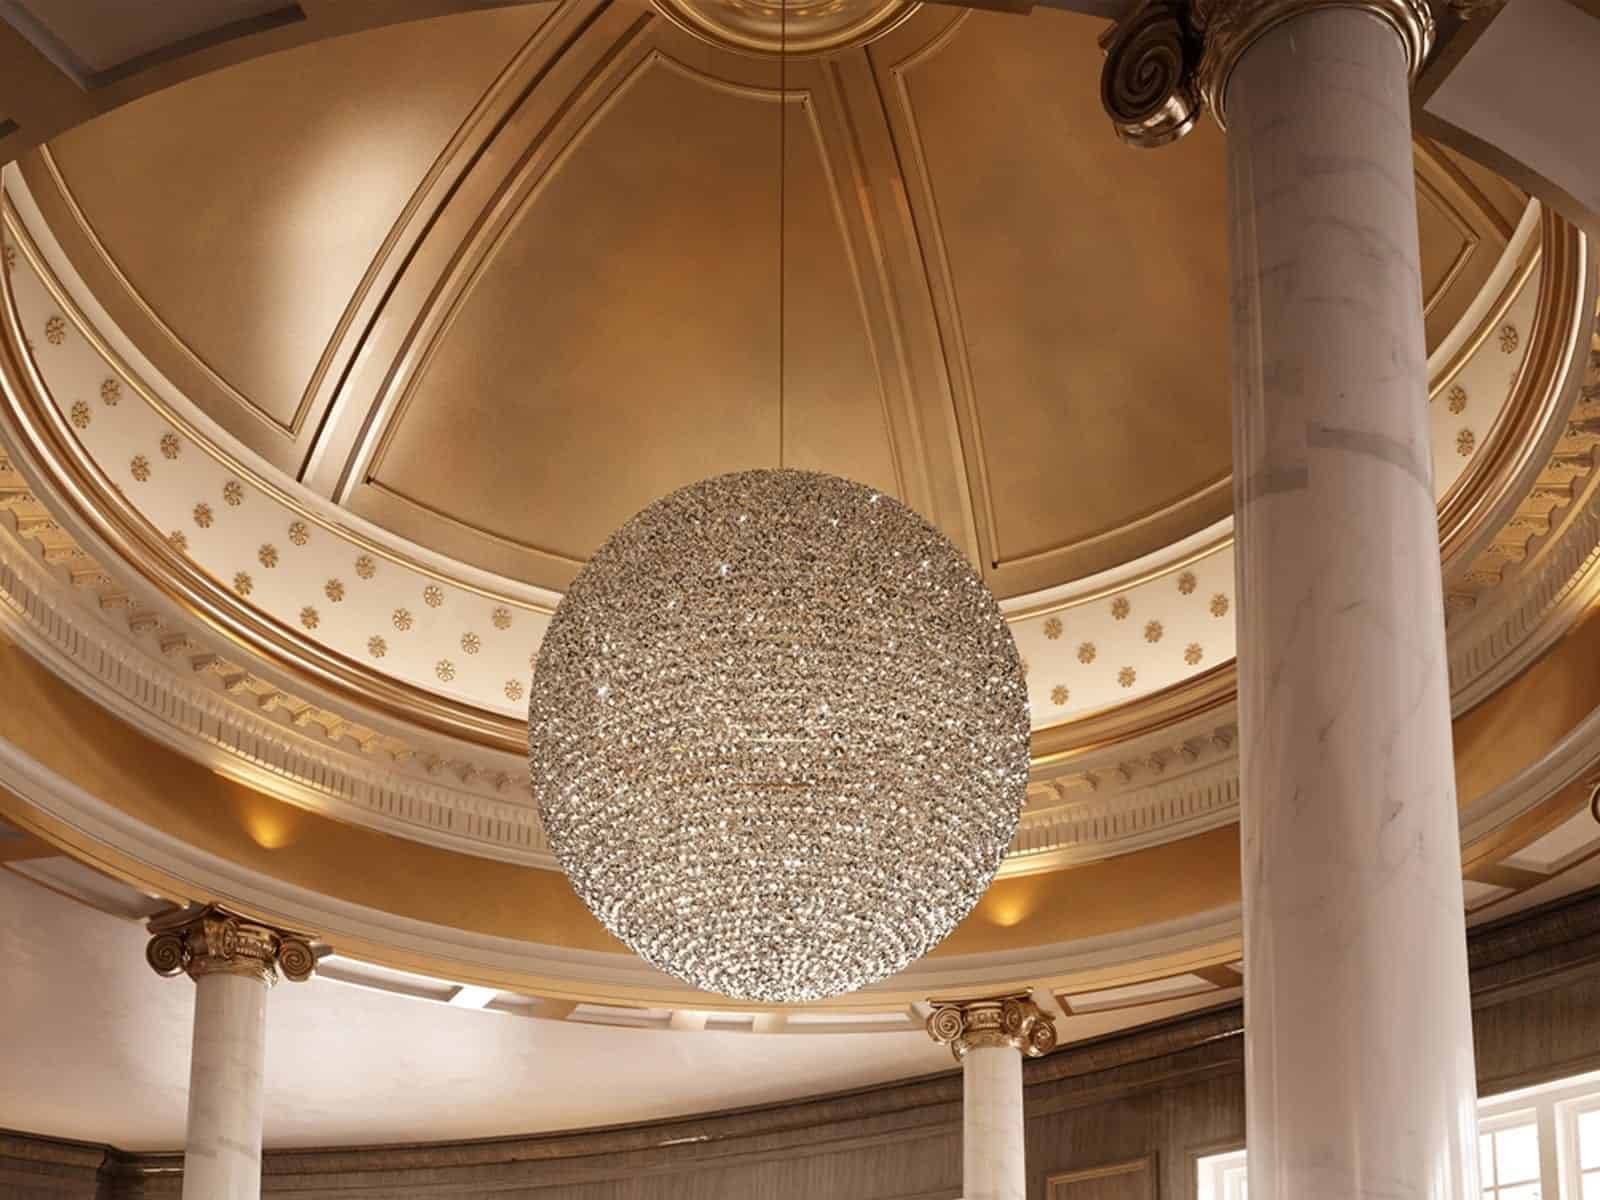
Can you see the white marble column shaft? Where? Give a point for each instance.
(992, 1156)
(222, 1156)
(1358, 1041)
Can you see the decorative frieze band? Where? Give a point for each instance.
(1102, 808)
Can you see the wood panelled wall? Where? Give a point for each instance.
(1118, 1119)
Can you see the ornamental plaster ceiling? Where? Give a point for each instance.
(64, 61)
(299, 459)
(442, 627)
(88, 38)
(513, 274)
(993, 309)
(356, 594)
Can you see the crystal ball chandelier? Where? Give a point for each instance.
(779, 735)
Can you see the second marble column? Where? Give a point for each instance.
(233, 963)
(989, 1038)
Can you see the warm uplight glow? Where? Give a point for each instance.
(1006, 911)
(271, 829)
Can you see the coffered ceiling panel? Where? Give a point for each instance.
(1090, 354)
(622, 338)
(236, 216)
(1465, 217)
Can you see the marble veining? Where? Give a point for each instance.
(992, 1165)
(222, 1154)
(1408, 456)
(1358, 1040)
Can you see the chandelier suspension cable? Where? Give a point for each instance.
(783, 165)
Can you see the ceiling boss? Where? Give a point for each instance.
(791, 28)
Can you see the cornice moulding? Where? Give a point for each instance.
(211, 727)
(160, 863)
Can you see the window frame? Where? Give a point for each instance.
(1212, 1169)
(1569, 1152)
(1500, 1119)
(1554, 1108)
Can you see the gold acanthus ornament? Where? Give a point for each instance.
(1169, 60)
(1000, 1021)
(211, 940)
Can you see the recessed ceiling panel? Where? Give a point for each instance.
(622, 341)
(1465, 217)
(1084, 289)
(243, 208)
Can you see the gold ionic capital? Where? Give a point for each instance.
(1014, 1021)
(1227, 28)
(1168, 60)
(211, 940)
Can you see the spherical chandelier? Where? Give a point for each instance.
(779, 735)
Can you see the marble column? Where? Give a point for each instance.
(989, 1037)
(233, 963)
(1358, 1039)
(1358, 1035)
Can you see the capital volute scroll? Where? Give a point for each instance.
(210, 940)
(1001, 1021)
(1148, 85)
(1168, 60)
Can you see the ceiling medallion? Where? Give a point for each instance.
(763, 27)
(779, 735)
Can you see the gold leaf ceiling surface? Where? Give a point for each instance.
(496, 281)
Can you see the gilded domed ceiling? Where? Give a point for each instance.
(469, 293)
(993, 309)
(326, 371)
